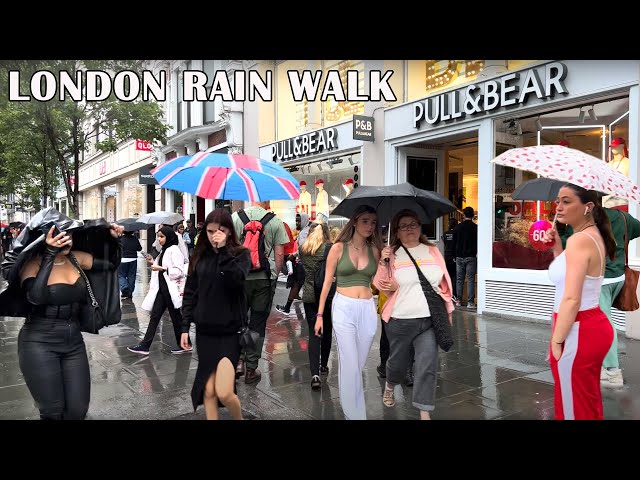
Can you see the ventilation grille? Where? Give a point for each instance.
(527, 300)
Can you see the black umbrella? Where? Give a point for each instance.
(389, 200)
(542, 189)
(132, 224)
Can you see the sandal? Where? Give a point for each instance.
(388, 398)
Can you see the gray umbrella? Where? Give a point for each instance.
(543, 189)
(389, 200)
(167, 218)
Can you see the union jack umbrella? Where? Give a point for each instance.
(227, 176)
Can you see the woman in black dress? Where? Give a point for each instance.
(214, 299)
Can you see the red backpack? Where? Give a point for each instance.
(253, 238)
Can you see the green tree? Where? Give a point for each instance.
(63, 130)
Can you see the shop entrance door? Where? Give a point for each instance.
(422, 173)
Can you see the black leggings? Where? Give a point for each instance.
(54, 363)
(163, 302)
(319, 347)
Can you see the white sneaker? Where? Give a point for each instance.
(471, 305)
(613, 378)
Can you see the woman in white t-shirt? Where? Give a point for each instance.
(407, 311)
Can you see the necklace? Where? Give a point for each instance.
(357, 248)
(61, 263)
(587, 226)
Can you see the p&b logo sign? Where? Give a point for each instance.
(363, 128)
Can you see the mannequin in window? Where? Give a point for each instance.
(304, 202)
(348, 186)
(322, 199)
(618, 160)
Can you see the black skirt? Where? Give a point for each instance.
(212, 349)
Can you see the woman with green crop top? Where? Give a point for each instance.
(353, 260)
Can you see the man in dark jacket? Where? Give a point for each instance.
(129, 264)
(465, 246)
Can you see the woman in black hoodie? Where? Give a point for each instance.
(214, 299)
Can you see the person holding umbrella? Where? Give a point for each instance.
(407, 311)
(581, 332)
(353, 261)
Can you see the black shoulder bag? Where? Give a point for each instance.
(439, 314)
(91, 319)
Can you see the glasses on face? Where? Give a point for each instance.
(408, 226)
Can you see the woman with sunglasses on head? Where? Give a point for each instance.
(407, 311)
(353, 261)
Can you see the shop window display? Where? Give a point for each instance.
(512, 218)
(324, 185)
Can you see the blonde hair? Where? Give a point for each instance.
(318, 236)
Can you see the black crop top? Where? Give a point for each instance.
(62, 299)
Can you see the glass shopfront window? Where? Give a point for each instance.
(328, 182)
(92, 204)
(590, 128)
(132, 195)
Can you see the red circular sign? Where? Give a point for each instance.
(537, 235)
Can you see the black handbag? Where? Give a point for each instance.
(91, 319)
(248, 338)
(439, 314)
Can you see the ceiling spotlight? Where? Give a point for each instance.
(330, 165)
(320, 166)
(592, 114)
(538, 124)
(351, 160)
(581, 116)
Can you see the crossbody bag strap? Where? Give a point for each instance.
(74, 261)
(423, 279)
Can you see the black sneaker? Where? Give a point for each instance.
(382, 371)
(324, 371)
(315, 382)
(281, 309)
(180, 350)
(139, 349)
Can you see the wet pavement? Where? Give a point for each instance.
(496, 370)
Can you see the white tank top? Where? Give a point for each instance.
(591, 287)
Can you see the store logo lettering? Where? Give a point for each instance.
(310, 143)
(505, 91)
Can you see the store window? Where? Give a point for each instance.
(590, 128)
(328, 182)
(132, 195)
(92, 204)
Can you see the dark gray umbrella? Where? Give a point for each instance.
(132, 224)
(389, 200)
(543, 189)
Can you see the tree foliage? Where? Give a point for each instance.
(35, 134)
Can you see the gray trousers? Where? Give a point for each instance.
(402, 334)
(468, 266)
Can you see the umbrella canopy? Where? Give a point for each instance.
(167, 218)
(542, 189)
(389, 200)
(227, 176)
(557, 162)
(132, 224)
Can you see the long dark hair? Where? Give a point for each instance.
(600, 217)
(223, 218)
(395, 223)
(346, 234)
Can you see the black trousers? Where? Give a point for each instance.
(384, 344)
(53, 360)
(319, 348)
(162, 303)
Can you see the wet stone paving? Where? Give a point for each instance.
(495, 371)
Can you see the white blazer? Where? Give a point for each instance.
(175, 263)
